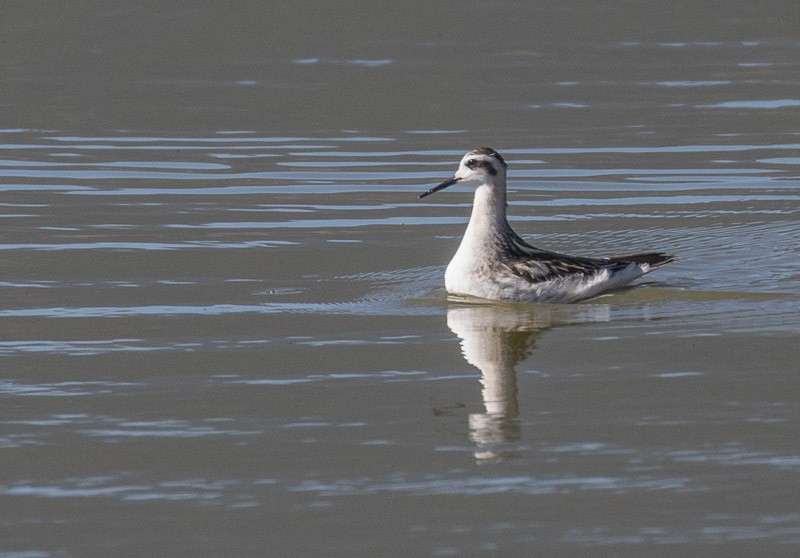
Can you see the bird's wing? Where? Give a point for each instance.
(547, 266)
(536, 265)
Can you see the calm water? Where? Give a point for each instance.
(223, 329)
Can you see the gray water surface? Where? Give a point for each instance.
(223, 328)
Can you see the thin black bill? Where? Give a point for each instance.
(442, 186)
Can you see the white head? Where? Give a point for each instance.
(480, 166)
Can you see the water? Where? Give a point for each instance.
(224, 332)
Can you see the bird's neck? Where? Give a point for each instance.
(488, 220)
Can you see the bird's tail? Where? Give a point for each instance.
(651, 259)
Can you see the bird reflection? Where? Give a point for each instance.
(495, 338)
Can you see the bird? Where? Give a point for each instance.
(493, 262)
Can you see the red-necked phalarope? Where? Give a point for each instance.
(493, 262)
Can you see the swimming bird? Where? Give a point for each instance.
(493, 262)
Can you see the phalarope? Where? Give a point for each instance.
(495, 263)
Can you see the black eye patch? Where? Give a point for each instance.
(478, 164)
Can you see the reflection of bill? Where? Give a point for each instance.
(495, 338)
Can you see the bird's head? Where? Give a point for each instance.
(480, 166)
